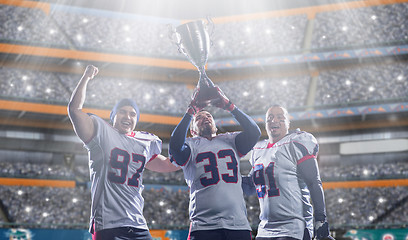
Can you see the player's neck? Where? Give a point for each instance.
(274, 140)
(208, 136)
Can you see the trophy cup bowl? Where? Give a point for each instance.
(194, 42)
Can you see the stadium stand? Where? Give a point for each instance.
(357, 27)
(29, 26)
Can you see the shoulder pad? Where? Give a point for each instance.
(301, 136)
(142, 135)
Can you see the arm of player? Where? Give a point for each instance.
(246, 139)
(309, 171)
(161, 164)
(81, 121)
(178, 149)
(248, 185)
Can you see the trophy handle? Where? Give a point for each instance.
(210, 26)
(173, 35)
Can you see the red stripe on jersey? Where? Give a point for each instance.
(305, 158)
(153, 157)
(131, 134)
(267, 146)
(240, 154)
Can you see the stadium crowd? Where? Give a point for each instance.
(335, 88)
(93, 30)
(371, 83)
(362, 171)
(69, 206)
(364, 26)
(343, 172)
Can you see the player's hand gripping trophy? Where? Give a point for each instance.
(193, 40)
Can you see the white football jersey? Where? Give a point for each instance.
(213, 174)
(116, 163)
(283, 196)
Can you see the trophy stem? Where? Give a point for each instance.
(204, 80)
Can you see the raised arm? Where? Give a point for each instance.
(81, 121)
(246, 139)
(178, 149)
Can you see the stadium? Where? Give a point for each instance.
(340, 67)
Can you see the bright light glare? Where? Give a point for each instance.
(400, 77)
(221, 43)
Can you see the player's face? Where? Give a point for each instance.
(204, 124)
(125, 119)
(277, 123)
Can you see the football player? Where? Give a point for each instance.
(286, 176)
(117, 158)
(211, 166)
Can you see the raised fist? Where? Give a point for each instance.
(195, 105)
(222, 101)
(90, 72)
